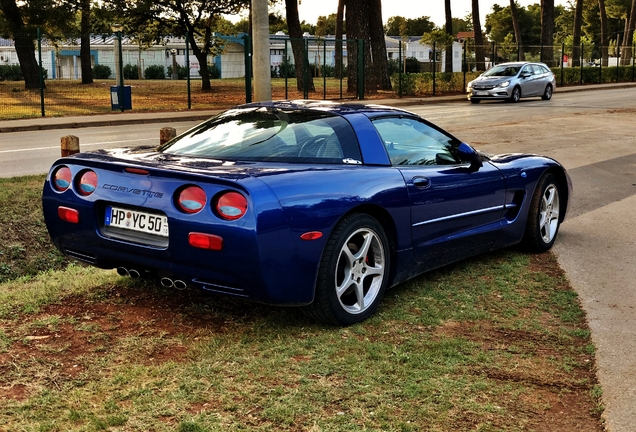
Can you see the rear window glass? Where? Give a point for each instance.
(266, 134)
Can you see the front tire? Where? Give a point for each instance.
(544, 216)
(475, 101)
(516, 95)
(353, 273)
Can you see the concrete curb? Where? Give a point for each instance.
(92, 122)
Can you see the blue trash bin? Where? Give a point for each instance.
(115, 103)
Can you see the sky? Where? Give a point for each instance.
(310, 10)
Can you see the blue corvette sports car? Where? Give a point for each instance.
(303, 203)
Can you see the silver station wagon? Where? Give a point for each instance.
(513, 81)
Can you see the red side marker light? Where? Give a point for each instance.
(68, 214)
(205, 241)
(311, 235)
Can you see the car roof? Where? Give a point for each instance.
(520, 63)
(340, 108)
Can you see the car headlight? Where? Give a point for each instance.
(503, 84)
(469, 85)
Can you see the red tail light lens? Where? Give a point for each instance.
(191, 199)
(87, 183)
(61, 179)
(231, 206)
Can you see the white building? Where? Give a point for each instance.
(63, 61)
(424, 53)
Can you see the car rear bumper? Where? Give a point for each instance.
(242, 268)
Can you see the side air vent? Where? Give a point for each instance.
(513, 207)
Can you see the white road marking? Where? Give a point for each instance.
(83, 145)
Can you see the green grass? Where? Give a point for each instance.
(496, 343)
(25, 246)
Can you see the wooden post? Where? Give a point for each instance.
(166, 134)
(69, 145)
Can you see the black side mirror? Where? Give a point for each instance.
(468, 154)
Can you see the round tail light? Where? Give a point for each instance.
(191, 199)
(87, 183)
(61, 179)
(231, 206)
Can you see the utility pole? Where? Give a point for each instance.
(261, 60)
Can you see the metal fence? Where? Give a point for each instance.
(571, 65)
(59, 91)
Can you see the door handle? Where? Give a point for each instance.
(421, 182)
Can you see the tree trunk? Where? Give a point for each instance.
(298, 46)
(357, 18)
(515, 25)
(479, 40)
(24, 44)
(202, 58)
(378, 46)
(448, 67)
(629, 36)
(604, 34)
(85, 48)
(576, 36)
(339, 33)
(547, 31)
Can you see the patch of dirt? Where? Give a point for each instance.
(547, 263)
(86, 327)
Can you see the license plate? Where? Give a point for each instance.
(136, 221)
(481, 93)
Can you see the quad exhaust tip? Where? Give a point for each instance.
(123, 271)
(177, 283)
(165, 281)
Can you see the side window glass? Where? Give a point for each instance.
(412, 142)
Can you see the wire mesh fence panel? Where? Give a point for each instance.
(158, 78)
(20, 86)
(16, 102)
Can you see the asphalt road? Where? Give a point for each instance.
(33, 152)
(592, 133)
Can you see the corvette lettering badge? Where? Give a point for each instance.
(143, 192)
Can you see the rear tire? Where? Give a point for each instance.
(353, 273)
(547, 94)
(544, 216)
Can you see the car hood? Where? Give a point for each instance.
(490, 80)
